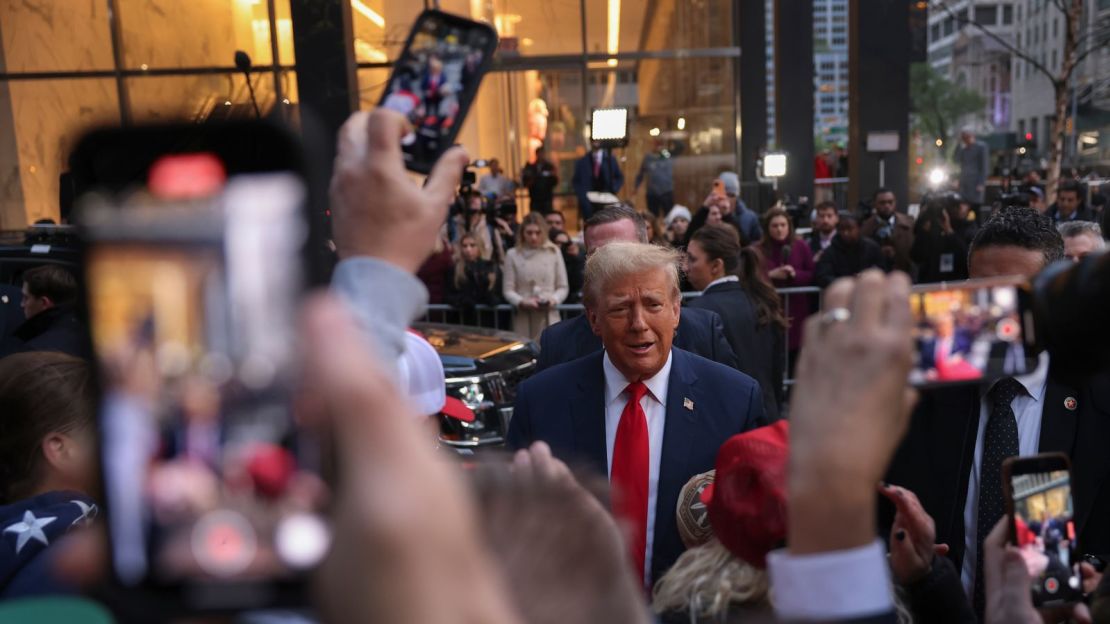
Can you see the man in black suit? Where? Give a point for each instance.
(648, 415)
(953, 429)
(596, 171)
(849, 253)
(824, 228)
(1069, 204)
(11, 309)
(699, 331)
(48, 299)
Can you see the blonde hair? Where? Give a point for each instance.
(536, 219)
(460, 262)
(620, 259)
(708, 579)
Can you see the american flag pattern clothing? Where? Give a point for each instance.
(27, 530)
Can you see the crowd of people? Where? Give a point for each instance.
(654, 475)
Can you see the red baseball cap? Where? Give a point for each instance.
(457, 409)
(747, 501)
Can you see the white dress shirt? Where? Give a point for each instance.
(655, 409)
(1028, 409)
(837, 585)
(722, 280)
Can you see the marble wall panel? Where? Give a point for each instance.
(49, 117)
(197, 33)
(55, 35)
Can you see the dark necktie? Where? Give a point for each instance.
(629, 478)
(1000, 440)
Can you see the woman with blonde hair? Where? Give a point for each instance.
(723, 576)
(473, 281)
(535, 278)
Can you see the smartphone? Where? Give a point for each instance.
(193, 269)
(1042, 525)
(435, 80)
(972, 331)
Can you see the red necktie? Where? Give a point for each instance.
(597, 167)
(629, 477)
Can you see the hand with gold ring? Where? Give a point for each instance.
(850, 409)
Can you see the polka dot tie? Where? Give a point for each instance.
(1000, 440)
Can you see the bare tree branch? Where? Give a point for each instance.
(1100, 33)
(1006, 44)
(1060, 5)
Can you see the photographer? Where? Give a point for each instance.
(939, 250)
(474, 221)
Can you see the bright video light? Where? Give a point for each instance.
(609, 124)
(938, 176)
(774, 165)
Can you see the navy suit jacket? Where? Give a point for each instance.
(611, 179)
(565, 407)
(701, 332)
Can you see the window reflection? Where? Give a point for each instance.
(380, 27)
(621, 26)
(529, 28)
(170, 33)
(202, 98)
(684, 112)
(47, 118)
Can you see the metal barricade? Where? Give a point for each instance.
(501, 316)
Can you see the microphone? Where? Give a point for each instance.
(785, 254)
(243, 64)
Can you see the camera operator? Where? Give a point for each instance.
(474, 220)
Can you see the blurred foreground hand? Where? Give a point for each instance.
(850, 411)
(378, 210)
(406, 547)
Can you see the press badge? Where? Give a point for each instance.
(947, 263)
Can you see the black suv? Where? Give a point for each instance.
(483, 368)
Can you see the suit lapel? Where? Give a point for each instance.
(679, 433)
(1058, 424)
(588, 415)
(585, 340)
(952, 430)
(1059, 429)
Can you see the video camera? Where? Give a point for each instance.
(493, 209)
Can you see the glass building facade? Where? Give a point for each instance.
(66, 66)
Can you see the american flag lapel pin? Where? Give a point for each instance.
(688, 404)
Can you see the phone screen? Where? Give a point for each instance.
(1044, 532)
(192, 302)
(973, 331)
(435, 80)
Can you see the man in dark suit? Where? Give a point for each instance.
(11, 309)
(958, 436)
(892, 230)
(699, 331)
(48, 298)
(824, 228)
(596, 171)
(1069, 204)
(849, 253)
(648, 415)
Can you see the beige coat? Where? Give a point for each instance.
(534, 273)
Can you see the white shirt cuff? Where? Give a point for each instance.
(843, 584)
